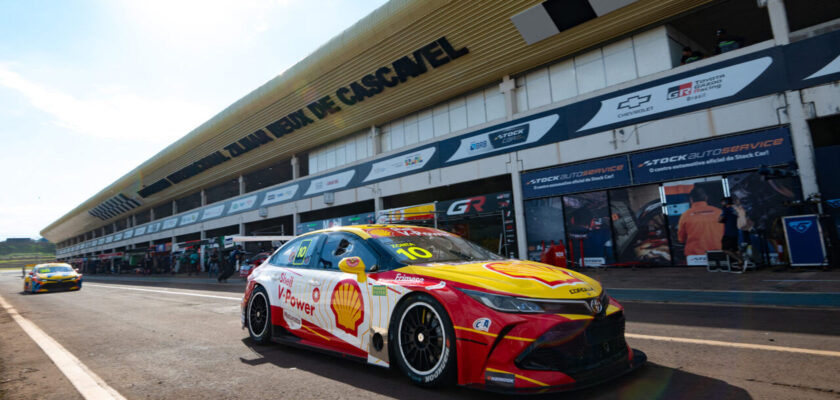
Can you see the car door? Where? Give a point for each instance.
(283, 279)
(342, 300)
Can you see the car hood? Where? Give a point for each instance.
(520, 278)
(55, 276)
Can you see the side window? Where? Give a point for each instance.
(340, 245)
(297, 253)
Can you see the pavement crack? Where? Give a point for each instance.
(794, 386)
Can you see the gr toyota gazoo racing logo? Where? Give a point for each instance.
(679, 91)
(698, 89)
(461, 207)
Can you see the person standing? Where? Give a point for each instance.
(726, 43)
(698, 226)
(214, 264)
(729, 218)
(193, 263)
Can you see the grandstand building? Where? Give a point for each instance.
(607, 125)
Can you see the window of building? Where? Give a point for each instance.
(268, 176)
(162, 211)
(224, 190)
(189, 202)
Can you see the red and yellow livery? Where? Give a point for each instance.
(441, 308)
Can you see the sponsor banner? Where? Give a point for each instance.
(402, 164)
(474, 205)
(804, 238)
(118, 237)
(212, 212)
(128, 234)
(242, 204)
(140, 231)
(280, 195)
(770, 147)
(100, 241)
(520, 134)
(610, 172)
(109, 239)
(680, 93)
(156, 226)
(411, 213)
(169, 223)
(189, 218)
(330, 182)
(813, 61)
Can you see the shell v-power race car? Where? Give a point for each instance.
(442, 309)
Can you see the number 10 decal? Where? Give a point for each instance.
(413, 253)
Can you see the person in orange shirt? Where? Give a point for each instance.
(698, 227)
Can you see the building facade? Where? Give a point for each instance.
(613, 126)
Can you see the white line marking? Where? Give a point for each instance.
(124, 287)
(737, 345)
(89, 385)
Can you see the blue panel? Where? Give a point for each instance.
(814, 61)
(804, 240)
(606, 173)
(769, 147)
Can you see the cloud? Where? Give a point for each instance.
(116, 114)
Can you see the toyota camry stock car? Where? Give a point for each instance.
(52, 276)
(441, 308)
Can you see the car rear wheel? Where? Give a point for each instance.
(423, 341)
(259, 316)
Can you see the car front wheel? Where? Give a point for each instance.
(423, 341)
(259, 316)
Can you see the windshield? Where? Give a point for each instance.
(427, 245)
(48, 270)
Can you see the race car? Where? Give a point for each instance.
(253, 262)
(52, 276)
(440, 308)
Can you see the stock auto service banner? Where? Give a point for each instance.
(770, 147)
(600, 174)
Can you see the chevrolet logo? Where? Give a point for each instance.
(633, 102)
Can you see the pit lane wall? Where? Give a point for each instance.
(684, 104)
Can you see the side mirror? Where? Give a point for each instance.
(353, 265)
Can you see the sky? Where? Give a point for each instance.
(90, 89)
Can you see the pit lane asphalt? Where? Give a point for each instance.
(158, 345)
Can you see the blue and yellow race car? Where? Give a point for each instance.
(52, 276)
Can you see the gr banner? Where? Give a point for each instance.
(804, 238)
(600, 174)
(734, 153)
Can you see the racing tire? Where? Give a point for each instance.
(258, 316)
(423, 342)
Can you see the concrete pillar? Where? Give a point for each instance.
(174, 207)
(295, 162)
(242, 228)
(778, 21)
(203, 198)
(295, 223)
(134, 220)
(508, 89)
(151, 214)
(378, 204)
(803, 143)
(241, 185)
(515, 168)
(203, 248)
(374, 138)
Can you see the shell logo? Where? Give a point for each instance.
(549, 276)
(347, 306)
(380, 232)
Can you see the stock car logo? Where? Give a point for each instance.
(549, 276)
(800, 226)
(509, 136)
(633, 102)
(676, 92)
(347, 306)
